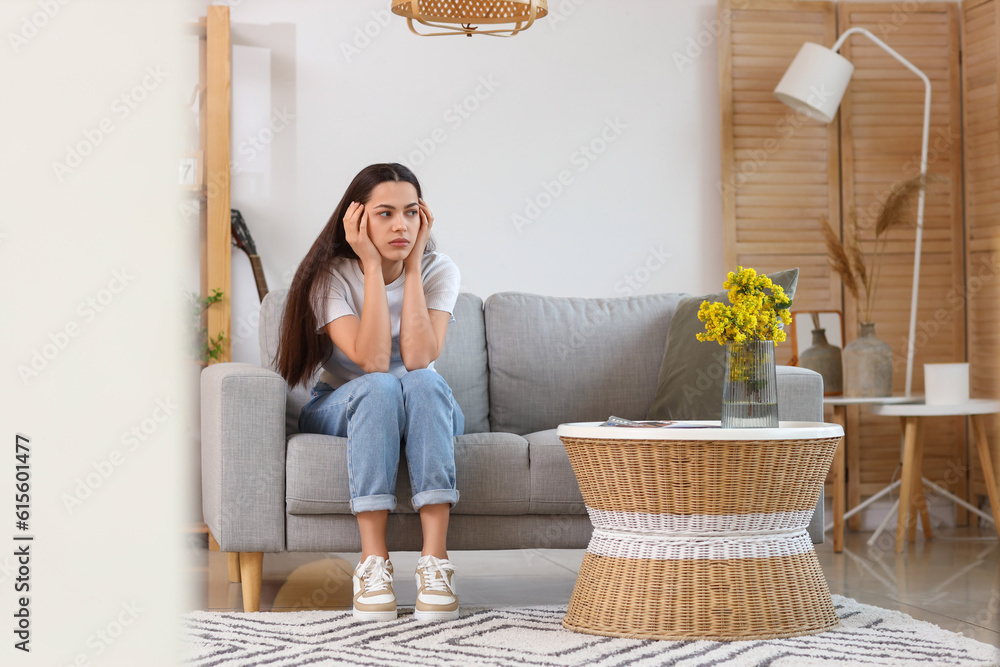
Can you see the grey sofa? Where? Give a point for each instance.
(519, 365)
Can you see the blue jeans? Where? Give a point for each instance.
(376, 413)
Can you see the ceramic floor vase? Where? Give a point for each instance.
(867, 364)
(750, 386)
(826, 360)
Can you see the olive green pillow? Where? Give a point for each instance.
(690, 384)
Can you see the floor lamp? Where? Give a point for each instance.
(814, 84)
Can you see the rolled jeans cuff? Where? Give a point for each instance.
(373, 503)
(435, 497)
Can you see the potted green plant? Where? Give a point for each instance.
(207, 349)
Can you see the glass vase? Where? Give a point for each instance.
(750, 386)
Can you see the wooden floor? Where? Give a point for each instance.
(952, 581)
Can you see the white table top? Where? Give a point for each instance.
(710, 430)
(872, 400)
(974, 406)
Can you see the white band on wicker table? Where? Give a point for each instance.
(699, 523)
(615, 544)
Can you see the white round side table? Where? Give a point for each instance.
(911, 497)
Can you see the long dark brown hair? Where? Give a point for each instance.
(300, 348)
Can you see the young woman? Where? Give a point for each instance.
(371, 302)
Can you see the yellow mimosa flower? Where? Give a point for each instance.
(757, 310)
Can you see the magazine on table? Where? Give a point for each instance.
(628, 423)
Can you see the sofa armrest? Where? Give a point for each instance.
(800, 394)
(243, 456)
(800, 398)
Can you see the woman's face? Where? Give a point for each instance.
(393, 218)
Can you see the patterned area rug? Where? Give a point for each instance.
(533, 636)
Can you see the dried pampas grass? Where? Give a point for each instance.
(839, 261)
(848, 259)
(898, 207)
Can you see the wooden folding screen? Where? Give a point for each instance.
(782, 177)
(881, 123)
(781, 172)
(981, 89)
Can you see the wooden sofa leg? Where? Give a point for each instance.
(251, 566)
(234, 567)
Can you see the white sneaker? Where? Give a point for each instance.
(436, 596)
(374, 599)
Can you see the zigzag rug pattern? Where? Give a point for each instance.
(516, 637)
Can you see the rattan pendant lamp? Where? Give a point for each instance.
(464, 17)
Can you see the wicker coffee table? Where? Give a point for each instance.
(700, 532)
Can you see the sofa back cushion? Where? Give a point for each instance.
(462, 362)
(690, 378)
(562, 359)
(271, 311)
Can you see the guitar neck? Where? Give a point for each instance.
(258, 275)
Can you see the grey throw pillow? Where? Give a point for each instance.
(690, 383)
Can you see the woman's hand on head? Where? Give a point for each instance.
(420, 243)
(356, 232)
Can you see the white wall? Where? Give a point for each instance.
(641, 217)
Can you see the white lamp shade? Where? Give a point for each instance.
(815, 82)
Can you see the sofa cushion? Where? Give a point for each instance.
(554, 489)
(690, 377)
(491, 471)
(462, 362)
(561, 359)
(316, 475)
(272, 308)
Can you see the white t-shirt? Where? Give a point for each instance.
(346, 296)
